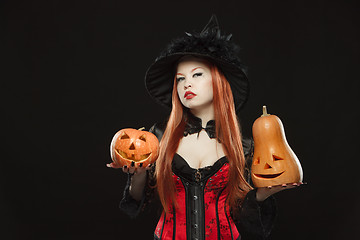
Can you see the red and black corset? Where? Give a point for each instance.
(202, 211)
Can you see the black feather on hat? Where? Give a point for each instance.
(208, 44)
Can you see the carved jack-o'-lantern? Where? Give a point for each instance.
(274, 162)
(130, 145)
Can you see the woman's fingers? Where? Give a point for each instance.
(149, 167)
(140, 169)
(264, 192)
(125, 169)
(113, 165)
(286, 185)
(132, 168)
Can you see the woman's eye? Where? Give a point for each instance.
(179, 79)
(197, 75)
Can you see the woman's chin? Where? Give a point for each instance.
(192, 105)
(200, 107)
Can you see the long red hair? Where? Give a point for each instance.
(227, 131)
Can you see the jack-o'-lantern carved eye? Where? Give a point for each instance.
(277, 158)
(124, 136)
(143, 138)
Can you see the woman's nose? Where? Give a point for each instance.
(187, 85)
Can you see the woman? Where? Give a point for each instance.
(201, 172)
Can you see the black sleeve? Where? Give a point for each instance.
(255, 219)
(128, 204)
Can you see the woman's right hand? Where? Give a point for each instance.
(131, 169)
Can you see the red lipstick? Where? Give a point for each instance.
(189, 95)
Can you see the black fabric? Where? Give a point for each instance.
(132, 207)
(128, 204)
(194, 125)
(256, 219)
(158, 130)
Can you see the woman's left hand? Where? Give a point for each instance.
(263, 193)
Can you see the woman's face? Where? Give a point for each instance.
(194, 83)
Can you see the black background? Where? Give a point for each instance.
(72, 75)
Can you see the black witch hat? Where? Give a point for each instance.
(208, 44)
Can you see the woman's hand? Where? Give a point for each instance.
(131, 169)
(265, 192)
(138, 177)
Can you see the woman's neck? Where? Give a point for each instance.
(205, 114)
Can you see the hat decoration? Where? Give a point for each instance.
(208, 44)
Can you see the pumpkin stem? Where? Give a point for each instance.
(265, 112)
(142, 128)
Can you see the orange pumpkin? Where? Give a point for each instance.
(130, 145)
(274, 162)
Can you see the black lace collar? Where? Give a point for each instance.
(194, 125)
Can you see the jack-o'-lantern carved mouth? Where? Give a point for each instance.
(268, 176)
(133, 157)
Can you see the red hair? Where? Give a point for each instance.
(227, 131)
